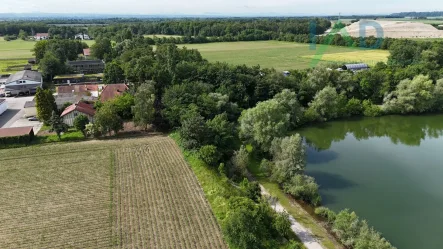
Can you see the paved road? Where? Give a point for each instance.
(303, 233)
(14, 116)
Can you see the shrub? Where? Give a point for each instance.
(282, 224)
(326, 214)
(80, 123)
(294, 245)
(209, 155)
(371, 110)
(354, 107)
(304, 188)
(92, 130)
(193, 132)
(251, 189)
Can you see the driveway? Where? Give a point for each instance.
(14, 115)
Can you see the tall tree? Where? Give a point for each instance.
(113, 73)
(57, 124)
(45, 104)
(101, 48)
(80, 123)
(144, 105)
(50, 66)
(108, 120)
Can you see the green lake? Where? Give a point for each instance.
(389, 170)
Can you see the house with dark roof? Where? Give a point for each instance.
(112, 90)
(87, 66)
(24, 82)
(17, 132)
(41, 36)
(72, 111)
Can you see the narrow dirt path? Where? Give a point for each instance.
(304, 234)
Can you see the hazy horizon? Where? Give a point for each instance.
(217, 7)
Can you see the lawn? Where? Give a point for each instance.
(284, 55)
(125, 193)
(19, 49)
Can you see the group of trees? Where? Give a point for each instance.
(238, 29)
(351, 231)
(51, 55)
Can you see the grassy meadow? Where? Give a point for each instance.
(267, 54)
(122, 193)
(284, 55)
(17, 52)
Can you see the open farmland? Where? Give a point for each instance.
(283, 55)
(19, 49)
(130, 193)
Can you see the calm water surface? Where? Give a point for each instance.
(389, 170)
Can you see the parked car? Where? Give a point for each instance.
(32, 119)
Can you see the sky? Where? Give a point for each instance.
(225, 7)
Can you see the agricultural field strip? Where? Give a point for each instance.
(184, 214)
(53, 217)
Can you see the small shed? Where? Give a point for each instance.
(3, 106)
(355, 67)
(30, 109)
(17, 132)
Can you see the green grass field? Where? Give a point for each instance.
(284, 55)
(19, 49)
(120, 193)
(267, 54)
(161, 36)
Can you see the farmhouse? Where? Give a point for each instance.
(3, 106)
(30, 109)
(24, 82)
(82, 36)
(41, 36)
(17, 132)
(111, 91)
(72, 111)
(87, 66)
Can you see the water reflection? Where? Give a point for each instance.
(407, 130)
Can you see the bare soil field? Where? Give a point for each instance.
(392, 29)
(122, 193)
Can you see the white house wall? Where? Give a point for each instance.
(69, 118)
(3, 107)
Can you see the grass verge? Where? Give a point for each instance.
(292, 207)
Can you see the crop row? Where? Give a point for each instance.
(158, 201)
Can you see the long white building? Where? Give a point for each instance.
(24, 82)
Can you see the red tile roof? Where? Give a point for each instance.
(80, 107)
(77, 89)
(86, 52)
(16, 131)
(111, 91)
